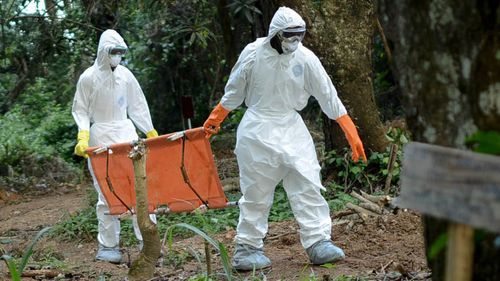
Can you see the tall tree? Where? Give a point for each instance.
(341, 34)
(446, 60)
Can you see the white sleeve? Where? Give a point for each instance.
(319, 85)
(81, 106)
(137, 106)
(236, 87)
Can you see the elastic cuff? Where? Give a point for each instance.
(151, 134)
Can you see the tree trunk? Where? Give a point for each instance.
(446, 63)
(227, 34)
(340, 33)
(103, 14)
(143, 268)
(51, 9)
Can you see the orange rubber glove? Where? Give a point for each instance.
(212, 124)
(151, 134)
(352, 136)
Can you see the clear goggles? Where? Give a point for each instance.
(118, 50)
(292, 34)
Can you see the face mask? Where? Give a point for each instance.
(115, 60)
(289, 47)
(290, 38)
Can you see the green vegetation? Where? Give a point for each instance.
(16, 268)
(176, 48)
(345, 174)
(485, 142)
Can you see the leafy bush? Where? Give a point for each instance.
(368, 176)
(38, 143)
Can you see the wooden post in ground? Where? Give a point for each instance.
(459, 252)
(460, 186)
(390, 167)
(143, 268)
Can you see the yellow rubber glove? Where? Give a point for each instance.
(151, 134)
(352, 136)
(83, 143)
(212, 124)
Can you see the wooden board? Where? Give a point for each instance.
(457, 185)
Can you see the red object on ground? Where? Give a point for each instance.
(165, 181)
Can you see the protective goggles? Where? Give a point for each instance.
(119, 50)
(292, 34)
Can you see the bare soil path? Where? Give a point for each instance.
(385, 248)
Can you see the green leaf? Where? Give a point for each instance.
(15, 274)
(219, 246)
(355, 170)
(29, 251)
(485, 142)
(438, 245)
(328, 265)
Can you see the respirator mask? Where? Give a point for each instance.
(116, 54)
(290, 38)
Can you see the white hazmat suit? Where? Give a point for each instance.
(275, 76)
(273, 143)
(104, 101)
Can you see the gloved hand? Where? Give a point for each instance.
(83, 143)
(352, 136)
(212, 124)
(151, 134)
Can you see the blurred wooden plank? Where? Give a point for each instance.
(457, 185)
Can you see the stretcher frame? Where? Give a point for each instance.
(181, 174)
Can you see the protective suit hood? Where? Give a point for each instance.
(109, 39)
(284, 18)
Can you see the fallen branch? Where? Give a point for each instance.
(279, 235)
(381, 200)
(342, 213)
(367, 204)
(362, 212)
(41, 272)
(371, 207)
(385, 266)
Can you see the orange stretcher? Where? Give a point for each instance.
(168, 186)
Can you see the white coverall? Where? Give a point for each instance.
(103, 99)
(273, 143)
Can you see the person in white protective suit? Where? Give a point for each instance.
(275, 76)
(107, 95)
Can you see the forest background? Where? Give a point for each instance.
(176, 49)
(444, 59)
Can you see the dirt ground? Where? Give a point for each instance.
(384, 248)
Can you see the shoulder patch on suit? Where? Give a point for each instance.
(297, 70)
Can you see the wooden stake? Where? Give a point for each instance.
(390, 167)
(208, 259)
(459, 252)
